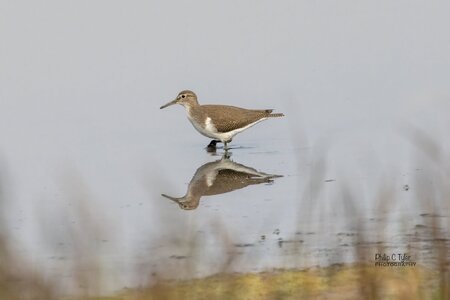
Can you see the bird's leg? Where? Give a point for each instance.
(225, 144)
(213, 143)
(212, 146)
(226, 155)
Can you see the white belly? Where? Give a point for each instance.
(209, 130)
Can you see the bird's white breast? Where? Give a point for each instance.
(209, 126)
(207, 129)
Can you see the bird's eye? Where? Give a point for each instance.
(183, 96)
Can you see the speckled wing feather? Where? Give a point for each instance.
(220, 114)
(228, 180)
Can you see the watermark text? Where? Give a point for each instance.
(393, 260)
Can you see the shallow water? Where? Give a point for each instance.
(86, 153)
(96, 199)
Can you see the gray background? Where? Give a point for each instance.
(81, 83)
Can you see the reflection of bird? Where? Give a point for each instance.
(220, 122)
(218, 177)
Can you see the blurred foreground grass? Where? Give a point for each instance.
(360, 280)
(355, 281)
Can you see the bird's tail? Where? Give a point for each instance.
(276, 115)
(268, 113)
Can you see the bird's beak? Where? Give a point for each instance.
(169, 104)
(177, 200)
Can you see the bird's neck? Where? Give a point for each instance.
(191, 109)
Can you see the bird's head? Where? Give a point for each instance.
(186, 98)
(184, 202)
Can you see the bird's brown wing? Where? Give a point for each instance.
(228, 118)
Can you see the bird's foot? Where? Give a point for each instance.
(212, 146)
(226, 155)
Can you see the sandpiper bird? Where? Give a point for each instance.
(219, 122)
(219, 177)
